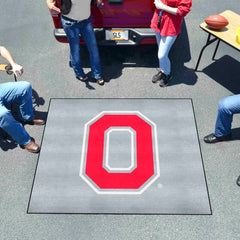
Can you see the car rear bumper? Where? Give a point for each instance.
(136, 36)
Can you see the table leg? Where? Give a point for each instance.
(213, 57)
(209, 41)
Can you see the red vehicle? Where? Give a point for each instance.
(117, 22)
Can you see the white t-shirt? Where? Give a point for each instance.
(80, 10)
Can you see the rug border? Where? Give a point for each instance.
(177, 214)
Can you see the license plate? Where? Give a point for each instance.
(117, 35)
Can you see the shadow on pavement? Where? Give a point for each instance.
(225, 71)
(179, 55)
(235, 134)
(6, 142)
(37, 101)
(115, 58)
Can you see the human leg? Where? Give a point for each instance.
(157, 77)
(88, 35)
(158, 37)
(226, 108)
(13, 127)
(72, 30)
(22, 91)
(164, 46)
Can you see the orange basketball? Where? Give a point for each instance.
(216, 21)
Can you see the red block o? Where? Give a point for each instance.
(95, 150)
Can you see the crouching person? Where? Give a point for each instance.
(22, 92)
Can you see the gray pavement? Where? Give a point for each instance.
(27, 31)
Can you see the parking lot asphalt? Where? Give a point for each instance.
(26, 30)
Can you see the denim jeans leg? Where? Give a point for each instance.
(158, 37)
(9, 93)
(22, 91)
(226, 108)
(88, 35)
(164, 46)
(14, 128)
(72, 30)
(25, 104)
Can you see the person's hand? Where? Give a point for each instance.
(52, 7)
(100, 3)
(17, 69)
(159, 4)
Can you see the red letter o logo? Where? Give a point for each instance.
(147, 166)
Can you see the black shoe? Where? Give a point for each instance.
(165, 80)
(211, 138)
(238, 181)
(157, 77)
(83, 79)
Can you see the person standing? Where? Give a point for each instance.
(22, 92)
(75, 23)
(166, 22)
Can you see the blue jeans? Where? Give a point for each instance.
(9, 93)
(164, 46)
(226, 108)
(73, 30)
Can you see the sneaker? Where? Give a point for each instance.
(157, 77)
(165, 80)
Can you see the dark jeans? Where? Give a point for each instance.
(73, 31)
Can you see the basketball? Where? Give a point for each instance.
(216, 21)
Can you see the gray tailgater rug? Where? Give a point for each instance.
(120, 156)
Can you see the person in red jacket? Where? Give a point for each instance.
(166, 21)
